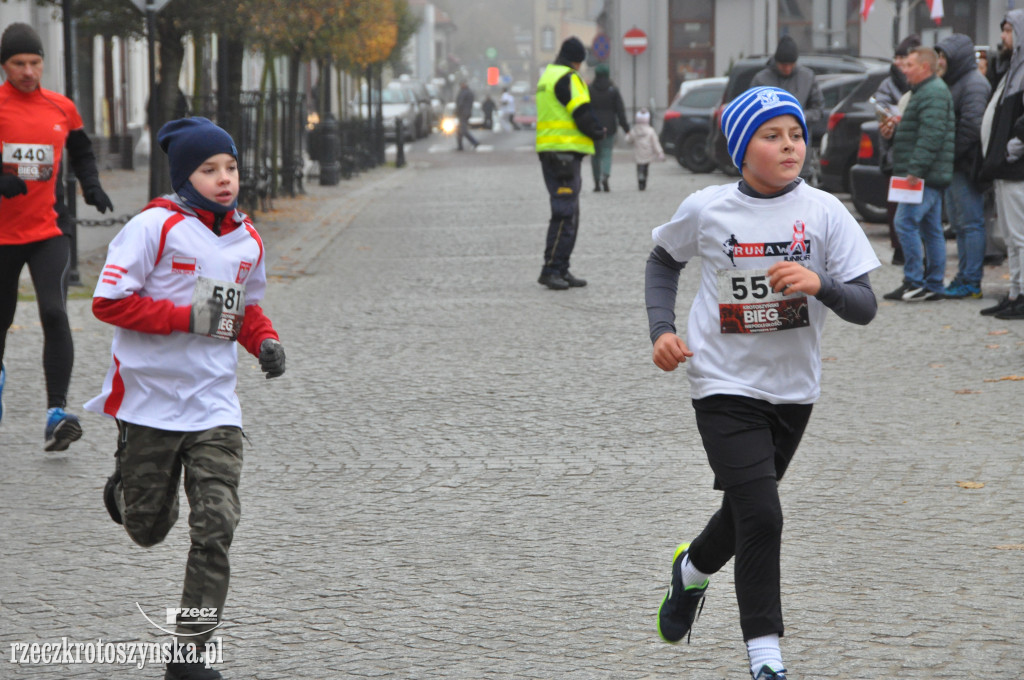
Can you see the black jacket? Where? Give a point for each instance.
(607, 103)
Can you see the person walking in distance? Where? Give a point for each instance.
(507, 104)
(922, 151)
(1002, 137)
(463, 111)
(646, 147)
(964, 197)
(181, 284)
(36, 126)
(566, 130)
(796, 254)
(606, 101)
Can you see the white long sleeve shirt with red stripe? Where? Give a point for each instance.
(161, 375)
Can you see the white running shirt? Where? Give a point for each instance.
(747, 340)
(182, 382)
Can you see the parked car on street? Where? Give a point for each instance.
(398, 103)
(424, 114)
(869, 187)
(526, 113)
(743, 71)
(841, 142)
(687, 121)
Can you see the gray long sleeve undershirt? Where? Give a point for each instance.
(852, 301)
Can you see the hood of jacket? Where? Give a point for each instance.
(1015, 72)
(960, 59)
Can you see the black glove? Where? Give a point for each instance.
(204, 319)
(12, 185)
(272, 358)
(98, 199)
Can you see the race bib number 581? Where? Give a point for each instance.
(747, 304)
(231, 295)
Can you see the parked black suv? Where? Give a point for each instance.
(743, 71)
(687, 121)
(840, 144)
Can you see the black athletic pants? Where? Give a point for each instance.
(749, 444)
(48, 262)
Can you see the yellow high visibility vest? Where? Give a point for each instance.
(556, 129)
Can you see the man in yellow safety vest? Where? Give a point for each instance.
(566, 130)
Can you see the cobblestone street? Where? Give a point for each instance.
(466, 475)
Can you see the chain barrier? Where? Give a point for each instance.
(108, 222)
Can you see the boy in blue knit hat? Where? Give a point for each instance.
(776, 255)
(182, 284)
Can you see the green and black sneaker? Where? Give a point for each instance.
(681, 605)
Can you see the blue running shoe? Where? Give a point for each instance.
(3, 379)
(680, 606)
(959, 290)
(61, 429)
(766, 673)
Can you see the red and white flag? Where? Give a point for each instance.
(935, 11)
(865, 8)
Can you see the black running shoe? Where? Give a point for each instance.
(108, 495)
(766, 673)
(681, 605)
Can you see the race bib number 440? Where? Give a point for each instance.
(747, 304)
(30, 162)
(231, 295)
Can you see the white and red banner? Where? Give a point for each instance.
(935, 11)
(865, 8)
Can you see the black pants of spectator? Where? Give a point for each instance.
(563, 184)
(749, 444)
(48, 263)
(463, 131)
(641, 175)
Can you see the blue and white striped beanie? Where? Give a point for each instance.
(747, 112)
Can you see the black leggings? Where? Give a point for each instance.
(48, 262)
(749, 443)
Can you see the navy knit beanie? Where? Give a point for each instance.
(750, 110)
(573, 51)
(189, 142)
(19, 38)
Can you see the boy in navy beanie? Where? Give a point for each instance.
(775, 256)
(182, 285)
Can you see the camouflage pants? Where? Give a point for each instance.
(151, 461)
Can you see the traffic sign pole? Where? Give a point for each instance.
(635, 43)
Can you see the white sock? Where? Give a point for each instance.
(764, 651)
(692, 576)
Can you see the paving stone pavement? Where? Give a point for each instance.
(466, 475)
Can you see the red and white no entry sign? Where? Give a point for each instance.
(635, 41)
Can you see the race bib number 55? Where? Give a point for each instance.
(30, 162)
(231, 295)
(747, 304)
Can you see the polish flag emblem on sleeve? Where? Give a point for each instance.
(183, 265)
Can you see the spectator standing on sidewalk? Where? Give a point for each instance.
(784, 72)
(646, 147)
(965, 198)
(463, 111)
(759, 310)
(566, 131)
(611, 114)
(36, 125)
(182, 281)
(891, 95)
(1002, 137)
(922, 150)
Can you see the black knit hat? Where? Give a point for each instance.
(189, 142)
(786, 52)
(573, 51)
(910, 42)
(19, 38)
